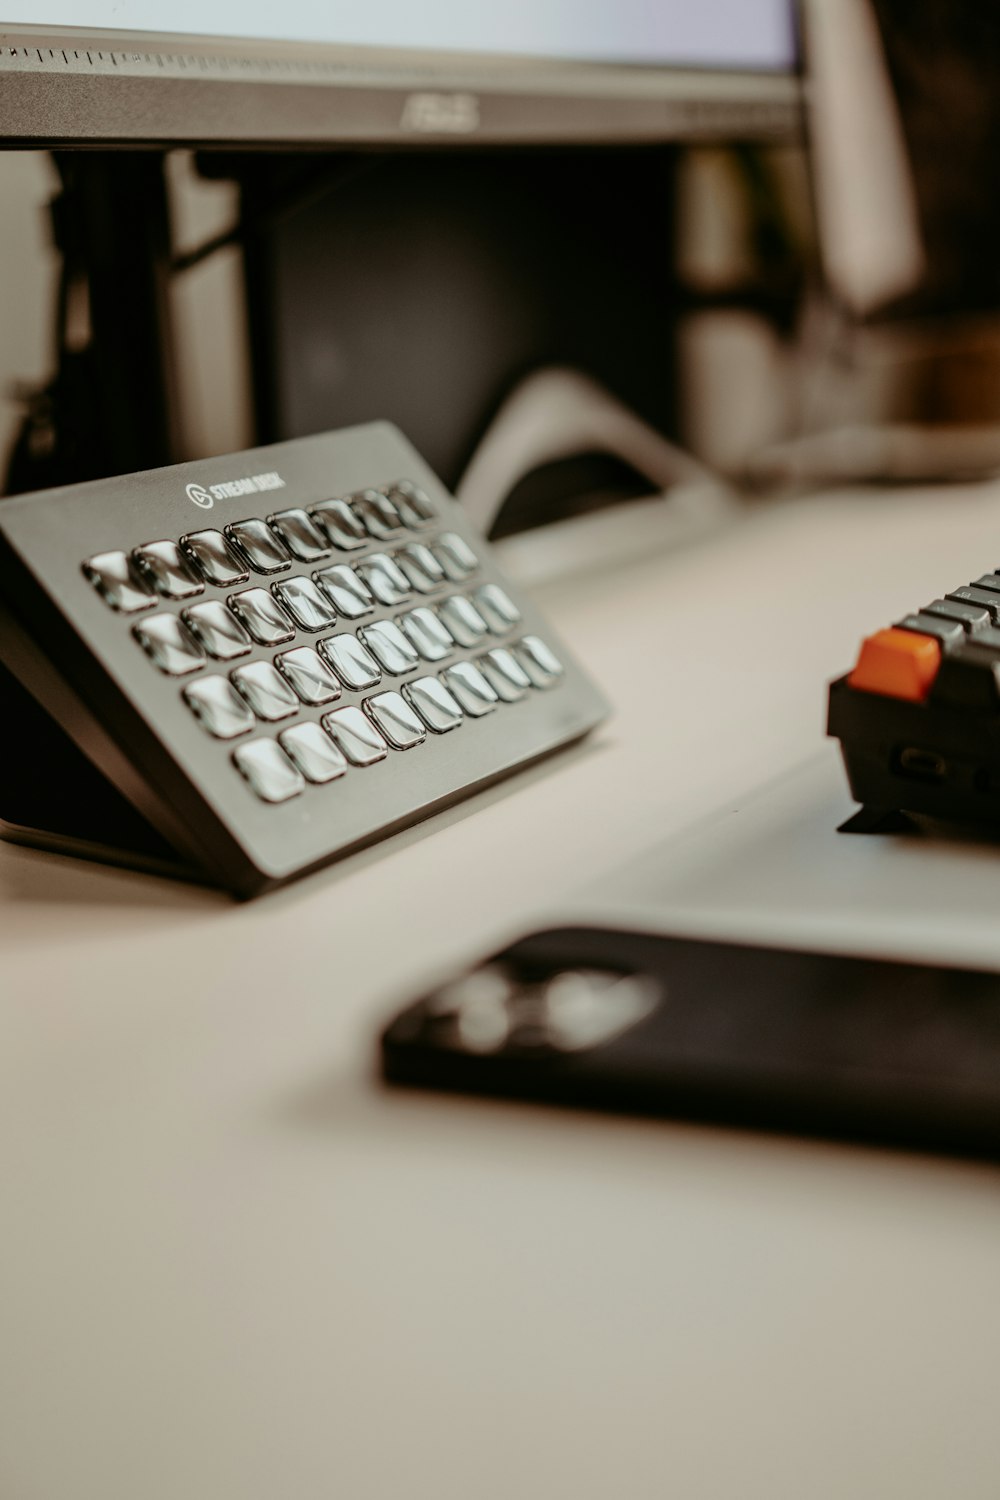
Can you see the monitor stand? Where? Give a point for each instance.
(113, 405)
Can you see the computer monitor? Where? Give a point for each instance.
(459, 114)
(301, 73)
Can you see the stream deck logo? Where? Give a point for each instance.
(255, 484)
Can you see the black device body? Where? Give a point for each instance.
(110, 756)
(939, 758)
(929, 748)
(848, 1048)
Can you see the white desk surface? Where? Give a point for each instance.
(233, 1267)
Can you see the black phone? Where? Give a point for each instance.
(862, 1049)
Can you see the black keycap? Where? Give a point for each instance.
(970, 615)
(948, 632)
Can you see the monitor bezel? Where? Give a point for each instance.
(63, 88)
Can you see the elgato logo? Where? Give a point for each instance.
(255, 484)
(441, 114)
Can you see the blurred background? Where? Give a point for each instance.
(791, 312)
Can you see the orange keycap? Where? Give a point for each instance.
(898, 664)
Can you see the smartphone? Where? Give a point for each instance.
(861, 1049)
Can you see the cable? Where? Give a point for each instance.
(558, 413)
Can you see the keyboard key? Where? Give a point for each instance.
(988, 636)
(218, 707)
(351, 596)
(341, 525)
(352, 662)
(300, 535)
(266, 691)
(164, 566)
(971, 616)
(313, 752)
(214, 558)
(258, 545)
(541, 664)
(983, 598)
(421, 567)
(497, 608)
(118, 583)
(217, 630)
(463, 620)
(308, 675)
(377, 514)
(456, 556)
(385, 579)
(505, 674)
(427, 634)
(989, 581)
(307, 606)
(268, 771)
(396, 719)
(471, 688)
(169, 645)
(262, 616)
(948, 632)
(434, 703)
(896, 664)
(389, 645)
(355, 734)
(412, 503)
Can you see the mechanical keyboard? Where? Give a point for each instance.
(280, 655)
(918, 717)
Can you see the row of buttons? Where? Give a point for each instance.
(906, 661)
(171, 570)
(321, 752)
(179, 645)
(271, 618)
(227, 706)
(391, 569)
